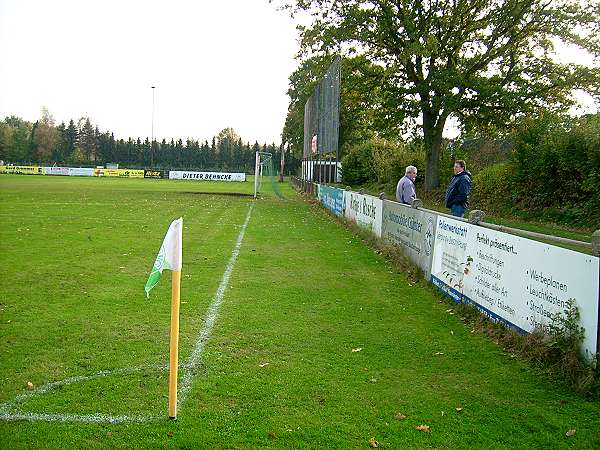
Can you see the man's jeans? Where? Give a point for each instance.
(458, 210)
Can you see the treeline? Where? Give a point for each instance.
(82, 144)
(547, 168)
(412, 69)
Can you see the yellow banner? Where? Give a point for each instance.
(122, 173)
(25, 170)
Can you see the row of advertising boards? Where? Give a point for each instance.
(514, 280)
(123, 173)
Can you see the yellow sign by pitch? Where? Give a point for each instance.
(122, 173)
(22, 170)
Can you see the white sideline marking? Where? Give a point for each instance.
(211, 316)
(6, 409)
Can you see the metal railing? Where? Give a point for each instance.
(476, 218)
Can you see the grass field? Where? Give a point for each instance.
(278, 369)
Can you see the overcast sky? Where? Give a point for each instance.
(215, 64)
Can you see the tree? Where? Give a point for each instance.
(227, 134)
(59, 151)
(483, 62)
(71, 138)
(360, 101)
(45, 137)
(87, 139)
(16, 137)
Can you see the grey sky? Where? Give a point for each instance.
(216, 64)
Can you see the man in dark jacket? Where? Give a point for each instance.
(457, 194)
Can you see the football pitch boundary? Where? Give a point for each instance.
(7, 412)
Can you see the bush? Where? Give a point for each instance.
(357, 168)
(492, 188)
(381, 161)
(556, 167)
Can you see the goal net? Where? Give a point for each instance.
(265, 175)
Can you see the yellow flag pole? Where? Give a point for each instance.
(174, 343)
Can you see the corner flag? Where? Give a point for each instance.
(169, 255)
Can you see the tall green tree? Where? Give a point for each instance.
(361, 102)
(482, 62)
(45, 137)
(71, 138)
(87, 141)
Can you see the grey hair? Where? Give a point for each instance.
(410, 169)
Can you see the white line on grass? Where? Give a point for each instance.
(7, 408)
(213, 310)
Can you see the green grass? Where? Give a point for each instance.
(304, 292)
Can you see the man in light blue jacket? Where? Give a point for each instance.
(405, 190)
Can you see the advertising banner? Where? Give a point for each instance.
(411, 229)
(365, 210)
(518, 281)
(121, 173)
(206, 176)
(131, 173)
(56, 171)
(80, 172)
(22, 170)
(332, 198)
(150, 173)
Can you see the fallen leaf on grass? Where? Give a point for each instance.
(399, 416)
(170, 434)
(109, 434)
(423, 428)
(571, 432)
(30, 385)
(373, 443)
(263, 364)
(357, 349)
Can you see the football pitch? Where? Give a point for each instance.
(293, 333)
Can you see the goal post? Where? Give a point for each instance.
(264, 170)
(256, 173)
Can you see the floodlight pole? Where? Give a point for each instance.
(152, 135)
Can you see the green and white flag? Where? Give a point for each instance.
(169, 255)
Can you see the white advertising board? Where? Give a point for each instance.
(56, 171)
(80, 172)
(515, 280)
(412, 230)
(365, 210)
(206, 176)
